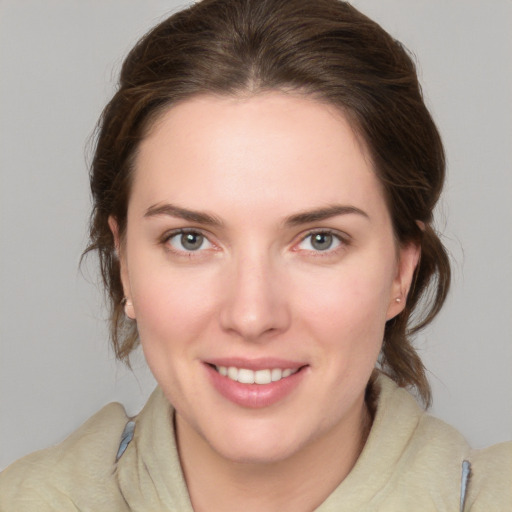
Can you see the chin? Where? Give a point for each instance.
(258, 443)
(256, 453)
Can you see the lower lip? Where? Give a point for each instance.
(254, 396)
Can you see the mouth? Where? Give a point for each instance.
(261, 377)
(265, 383)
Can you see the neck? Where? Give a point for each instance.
(299, 483)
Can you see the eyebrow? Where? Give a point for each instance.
(305, 217)
(319, 214)
(183, 213)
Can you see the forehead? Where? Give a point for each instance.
(256, 150)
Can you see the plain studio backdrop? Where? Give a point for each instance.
(58, 64)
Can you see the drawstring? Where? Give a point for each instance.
(126, 437)
(466, 474)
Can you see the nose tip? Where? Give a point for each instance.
(254, 306)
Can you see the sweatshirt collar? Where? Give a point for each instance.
(151, 478)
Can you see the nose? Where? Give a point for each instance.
(255, 305)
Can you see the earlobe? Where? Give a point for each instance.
(127, 303)
(409, 257)
(128, 308)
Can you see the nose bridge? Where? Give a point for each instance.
(255, 305)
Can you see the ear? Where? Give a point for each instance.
(127, 301)
(408, 259)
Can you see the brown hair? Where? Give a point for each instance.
(325, 48)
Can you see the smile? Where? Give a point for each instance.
(246, 376)
(264, 383)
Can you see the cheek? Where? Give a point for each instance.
(349, 308)
(172, 307)
(174, 311)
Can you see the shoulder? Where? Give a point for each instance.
(490, 483)
(429, 455)
(425, 457)
(65, 475)
(443, 450)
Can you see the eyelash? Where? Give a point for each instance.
(342, 239)
(167, 237)
(343, 242)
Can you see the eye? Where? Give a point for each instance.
(320, 241)
(188, 241)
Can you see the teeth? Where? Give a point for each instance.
(245, 376)
(263, 377)
(277, 374)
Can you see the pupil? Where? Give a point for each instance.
(322, 241)
(191, 241)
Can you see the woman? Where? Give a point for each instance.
(263, 184)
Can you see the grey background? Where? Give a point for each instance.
(58, 62)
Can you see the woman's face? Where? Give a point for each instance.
(259, 248)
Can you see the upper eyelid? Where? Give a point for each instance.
(342, 235)
(176, 231)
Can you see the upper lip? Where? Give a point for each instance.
(262, 363)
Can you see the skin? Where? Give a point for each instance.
(258, 287)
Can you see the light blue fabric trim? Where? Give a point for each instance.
(466, 473)
(126, 437)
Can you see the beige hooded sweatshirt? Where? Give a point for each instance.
(411, 462)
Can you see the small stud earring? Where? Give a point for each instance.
(398, 300)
